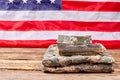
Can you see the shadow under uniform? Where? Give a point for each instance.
(77, 54)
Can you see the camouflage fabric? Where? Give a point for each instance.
(52, 58)
(77, 54)
(88, 49)
(80, 68)
(77, 40)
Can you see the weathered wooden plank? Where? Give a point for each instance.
(37, 53)
(38, 75)
(20, 64)
(115, 53)
(21, 50)
(22, 53)
(34, 63)
(117, 65)
(21, 56)
(30, 65)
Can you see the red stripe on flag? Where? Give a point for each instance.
(59, 25)
(26, 43)
(111, 44)
(115, 44)
(91, 6)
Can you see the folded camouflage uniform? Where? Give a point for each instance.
(76, 40)
(80, 68)
(86, 49)
(53, 62)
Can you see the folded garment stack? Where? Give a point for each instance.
(77, 54)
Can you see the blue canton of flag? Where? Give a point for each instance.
(30, 4)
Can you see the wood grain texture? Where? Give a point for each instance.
(30, 65)
(115, 53)
(37, 53)
(21, 56)
(20, 64)
(22, 53)
(22, 50)
(30, 58)
(38, 75)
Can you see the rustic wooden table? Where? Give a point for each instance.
(38, 75)
(24, 64)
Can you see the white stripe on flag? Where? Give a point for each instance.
(95, 0)
(44, 35)
(60, 15)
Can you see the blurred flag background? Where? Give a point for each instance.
(37, 23)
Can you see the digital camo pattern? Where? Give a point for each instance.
(80, 68)
(52, 58)
(74, 39)
(88, 49)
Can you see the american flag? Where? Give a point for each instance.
(37, 23)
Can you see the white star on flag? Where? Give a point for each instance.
(52, 1)
(39, 1)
